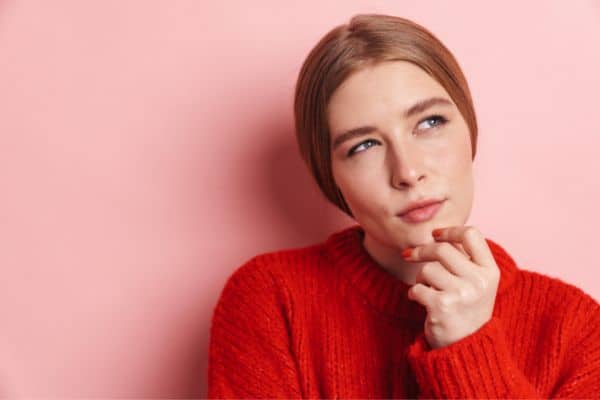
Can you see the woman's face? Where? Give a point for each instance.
(401, 158)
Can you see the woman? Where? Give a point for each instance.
(409, 302)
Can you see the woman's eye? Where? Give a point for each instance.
(437, 120)
(363, 145)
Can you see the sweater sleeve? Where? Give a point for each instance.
(249, 350)
(481, 365)
(580, 377)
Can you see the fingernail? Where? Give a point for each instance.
(407, 252)
(436, 233)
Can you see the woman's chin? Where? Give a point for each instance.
(423, 238)
(416, 237)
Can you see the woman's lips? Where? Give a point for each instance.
(422, 214)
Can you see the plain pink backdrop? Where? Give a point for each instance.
(147, 150)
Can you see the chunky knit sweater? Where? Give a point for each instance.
(326, 321)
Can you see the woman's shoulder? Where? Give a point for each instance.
(521, 285)
(283, 267)
(295, 272)
(556, 284)
(313, 261)
(559, 295)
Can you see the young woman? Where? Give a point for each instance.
(409, 302)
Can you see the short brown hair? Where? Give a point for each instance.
(367, 39)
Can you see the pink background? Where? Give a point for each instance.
(147, 150)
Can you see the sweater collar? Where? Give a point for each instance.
(381, 289)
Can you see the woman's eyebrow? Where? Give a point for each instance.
(416, 108)
(424, 104)
(352, 133)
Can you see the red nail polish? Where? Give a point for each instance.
(436, 233)
(407, 252)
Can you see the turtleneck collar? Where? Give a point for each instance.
(383, 290)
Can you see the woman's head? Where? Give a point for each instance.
(367, 74)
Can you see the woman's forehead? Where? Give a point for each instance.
(383, 89)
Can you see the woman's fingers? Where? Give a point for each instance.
(423, 294)
(453, 269)
(471, 240)
(445, 253)
(437, 276)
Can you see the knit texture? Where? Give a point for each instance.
(326, 321)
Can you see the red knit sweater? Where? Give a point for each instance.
(326, 321)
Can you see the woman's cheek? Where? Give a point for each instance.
(359, 183)
(368, 179)
(447, 154)
(370, 164)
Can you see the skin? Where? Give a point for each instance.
(406, 159)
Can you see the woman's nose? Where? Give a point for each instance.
(406, 168)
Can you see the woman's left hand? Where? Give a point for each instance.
(459, 292)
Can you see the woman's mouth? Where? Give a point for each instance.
(422, 214)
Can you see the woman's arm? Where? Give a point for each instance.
(580, 377)
(249, 354)
(481, 365)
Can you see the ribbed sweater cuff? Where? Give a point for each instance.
(478, 366)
